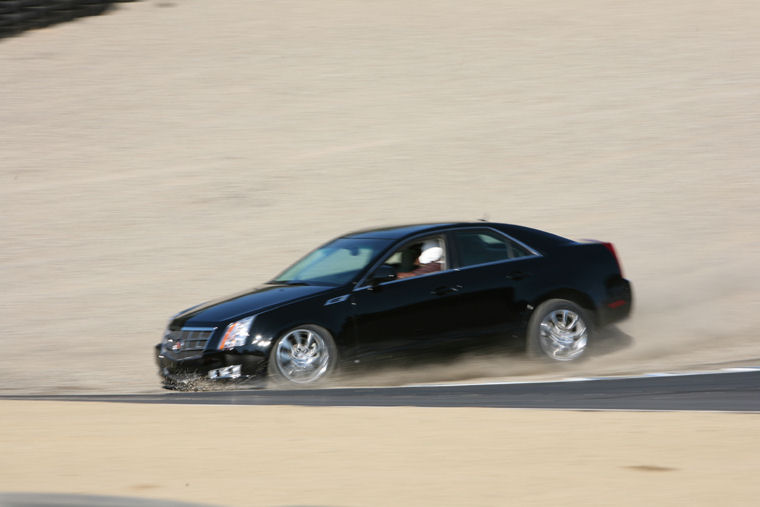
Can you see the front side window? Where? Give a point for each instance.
(483, 246)
(419, 257)
(335, 263)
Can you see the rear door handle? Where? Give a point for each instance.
(443, 290)
(517, 275)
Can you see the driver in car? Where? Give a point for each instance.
(429, 260)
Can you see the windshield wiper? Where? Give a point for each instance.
(288, 282)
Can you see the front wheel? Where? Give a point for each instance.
(558, 330)
(304, 355)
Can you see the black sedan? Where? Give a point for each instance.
(400, 291)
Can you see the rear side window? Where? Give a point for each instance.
(482, 246)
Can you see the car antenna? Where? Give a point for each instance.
(485, 218)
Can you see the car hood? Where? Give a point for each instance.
(245, 303)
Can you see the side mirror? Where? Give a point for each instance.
(384, 273)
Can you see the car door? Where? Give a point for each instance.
(404, 316)
(494, 274)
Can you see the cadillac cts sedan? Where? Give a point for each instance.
(399, 292)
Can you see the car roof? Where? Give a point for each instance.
(535, 238)
(401, 231)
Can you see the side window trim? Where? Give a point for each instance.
(453, 260)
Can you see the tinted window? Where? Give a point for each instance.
(481, 246)
(335, 263)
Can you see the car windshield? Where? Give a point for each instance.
(335, 263)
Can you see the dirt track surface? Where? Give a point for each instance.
(171, 152)
(271, 456)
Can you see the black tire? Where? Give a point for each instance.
(6, 31)
(62, 5)
(560, 339)
(17, 18)
(90, 10)
(9, 8)
(324, 364)
(26, 4)
(39, 17)
(61, 16)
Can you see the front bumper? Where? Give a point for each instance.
(208, 368)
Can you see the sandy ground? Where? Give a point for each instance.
(267, 456)
(174, 151)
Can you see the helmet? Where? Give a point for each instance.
(431, 252)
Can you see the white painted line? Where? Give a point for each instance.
(664, 410)
(740, 370)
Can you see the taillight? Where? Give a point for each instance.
(611, 248)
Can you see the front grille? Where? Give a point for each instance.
(188, 342)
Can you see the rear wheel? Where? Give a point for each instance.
(305, 355)
(559, 330)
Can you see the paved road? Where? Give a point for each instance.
(735, 391)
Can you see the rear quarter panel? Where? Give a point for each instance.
(586, 273)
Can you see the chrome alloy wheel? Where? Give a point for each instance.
(302, 356)
(563, 335)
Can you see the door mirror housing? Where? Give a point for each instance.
(385, 273)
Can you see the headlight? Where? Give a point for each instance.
(236, 335)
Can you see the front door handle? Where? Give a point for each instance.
(443, 290)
